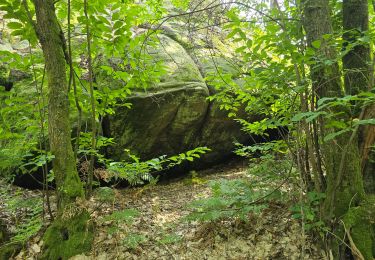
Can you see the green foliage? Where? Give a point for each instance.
(169, 239)
(9, 250)
(308, 212)
(35, 161)
(260, 51)
(181, 4)
(134, 170)
(238, 198)
(121, 64)
(137, 171)
(230, 199)
(30, 228)
(20, 25)
(268, 82)
(133, 240)
(194, 178)
(112, 25)
(269, 171)
(337, 121)
(121, 222)
(105, 194)
(19, 130)
(278, 146)
(26, 214)
(125, 216)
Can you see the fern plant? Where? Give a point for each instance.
(230, 199)
(120, 224)
(26, 214)
(237, 198)
(134, 170)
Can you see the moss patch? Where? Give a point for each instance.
(9, 250)
(360, 223)
(67, 237)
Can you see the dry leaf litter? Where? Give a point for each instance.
(273, 234)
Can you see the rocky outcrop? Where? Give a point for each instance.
(174, 115)
(170, 116)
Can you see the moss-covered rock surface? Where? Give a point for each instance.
(174, 115)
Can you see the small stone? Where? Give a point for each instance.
(35, 248)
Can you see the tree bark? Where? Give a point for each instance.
(358, 78)
(69, 186)
(345, 197)
(356, 62)
(70, 233)
(367, 137)
(326, 81)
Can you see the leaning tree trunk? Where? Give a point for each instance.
(69, 234)
(345, 208)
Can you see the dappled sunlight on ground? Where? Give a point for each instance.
(160, 232)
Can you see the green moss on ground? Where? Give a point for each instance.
(9, 250)
(67, 237)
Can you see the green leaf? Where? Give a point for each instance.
(316, 44)
(249, 43)
(364, 122)
(310, 116)
(234, 32)
(241, 49)
(14, 25)
(335, 134)
(322, 100)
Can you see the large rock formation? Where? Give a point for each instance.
(171, 116)
(174, 115)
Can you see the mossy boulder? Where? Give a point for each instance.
(178, 64)
(174, 115)
(161, 122)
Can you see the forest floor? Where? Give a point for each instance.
(159, 232)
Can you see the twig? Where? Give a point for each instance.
(92, 99)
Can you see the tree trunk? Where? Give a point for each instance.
(356, 62)
(357, 71)
(64, 166)
(345, 198)
(69, 234)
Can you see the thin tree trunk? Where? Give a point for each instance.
(72, 222)
(92, 100)
(69, 186)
